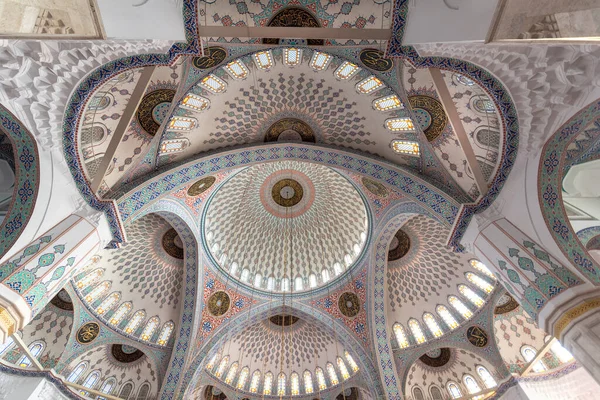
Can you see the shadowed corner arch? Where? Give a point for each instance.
(262, 311)
(551, 170)
(27, 179)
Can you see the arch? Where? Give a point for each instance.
(35, 349)
(418, 393)
(486, 377)
(108, 385)
(27, 179)
(436, 393)
(126, 390)
(91, 380)
(143, 392)
(77, 372)
(454, 390)
(471, 384)
(294, 17)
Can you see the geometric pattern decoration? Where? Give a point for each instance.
(437, 358)
(88, 333)
(477, 336)
(375, 59)
(430, 115)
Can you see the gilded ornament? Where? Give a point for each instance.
(430, 115)
(218, 303)
(172, 244)
(287, 192)
(7, 322)
(375, 60)
(62, 301)
(126, 354)
(477, 336)
(574, 313)
(375, 187)
(284, 320)
(294, 17)
(436, 359)
(152, 109)
(506, 304)
(201, 186)
(349, 304)
(214, 56)
(285, 126)
(88, 333)
(400, 246)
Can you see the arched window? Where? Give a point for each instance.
(271, 283)
(333, 378)
(257, 280)
(245, 275)
(35, 349)
(98, 291)
(312, 280)
(401, 337)
(298, 283)
(212, 361)
(222, 366)
(165, 333)
(268, 384)
(481, 267)
(471, 295)
(325, 275)
(529, 354)
(447, 317)
(483, 104)
(464, 80)
(90, 381)
(351, 361)
(455, 392)
(126, 390)
(135, 321)
(233, 267)
(90, 278)
(108, 386)
(143, 392)
(121, 312)
(281, 381)
(151, 326)
(108, 303)
(436, 393)
(479, 282)
(342, 367)
(320, 378)
(460, 307)
(285, 285)
(77, 371)
(559, 351)
(486, 377)
(231, 374)
(295, 384)
(416, 330)
(471, 384)
(6, 345)
(255, 382)
(432, 325)
(308, 382)
(337, 268)
(418, 393)
(241, 383)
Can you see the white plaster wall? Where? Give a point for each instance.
(13, 387)
(577, 385)
(514, 393)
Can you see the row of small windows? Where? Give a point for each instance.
(529, 354)
(417, 334)
(257, 383)
(108, 386)
(121, 317)
(453, 388)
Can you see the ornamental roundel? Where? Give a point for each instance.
(284, 320)
(506, 304)
(63, 301)
(290, 129)
(126, 354)
(201, 186)
(153, 109)
(477, 336)
(430, 115)
(88, 333)
(294, 17)
(172, 244)
(436, 358)
(287, 192)
(218, 303)
(399, 247)
(375, 59)
(374, 187)
(349, 304)
(214, 56)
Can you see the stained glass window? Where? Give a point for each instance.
(91, 379)
(405, 147)
(257, 280)
(233, 267)
(213, 83)
(165, 333)
(76, 373)
(460, 307)
(320, 378)
(174, 146)
(351, 361)
(325, 274)
(143, 392)
(342, 367)
(263, 59)
(268, 384)
(121, 312)
(436, 393)
(90, 278)
(369, 85)
(237, 69)
(529, 354)
(401, 337)
(295, 384)
(447, 317)
(399, 124)
(416, 330)
(255, 382)
(151, 326)
(479, 282)
(471, 295)
(486, 377)
(245, 275)
(320, 61)
(481, 267)
(181, 123)
(285, 285)
(6, 345)
(271, 283)
(35, 349)
(388, 103)
(308, 383)
(231, 374)
(212, 361)
(454, 390)
(107, 387)
(108, 303)
(194, 102)
(346, 70)
(135, 321)
(126, 390)
(471, 384)
(337, 268)
(483, 104)
(432, 325)
(98, 291)
(418, 394)
(241, 383)
(559, 351)
(281, 381)
(333, 378)
(312, 280)
(298, 283)
(292, 56)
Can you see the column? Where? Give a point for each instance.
(36, 273)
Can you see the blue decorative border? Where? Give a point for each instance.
(398, 27)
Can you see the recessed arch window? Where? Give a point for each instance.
(232, 373)
(195, 102)
(213, 83)
(271, 283)
(333, 378)
(222, 366)
(460, 307)
(212, 361)
(255, 381)
(285, 285)
(241, 383)
(448, 318)
(135, 321)
(337, 268)
(529, 354)
(298, 283)
(432, 325)
(35, 349)
(108, 303)
(264, 59)
(464, 80)
(471, 295)
(320, 378)
(107, 387)
(401, 337)
(281, 382)
(369, 85)
(308, 382)
(343, 369)
(482, 104)
(6, 345)
(245, 275)
(471, 384)
(436, 393)
(77, 371)
(98, 291)
(165, 333)
(295, 384)
(126, 390)
(416, 330)
(90, 278)
(351, 361)
(91, 380)
(418, 393)
(559, 351)
(454, 390)
(320, 61)
(233, 267)
(346, 70)
(268, 384)
(237, 69)
(479, 282)
(258, 280)
(143, 392)
(486, 377)
(150, 328)
(325, 275)
(312, 280)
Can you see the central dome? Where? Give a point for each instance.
(286, 226)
